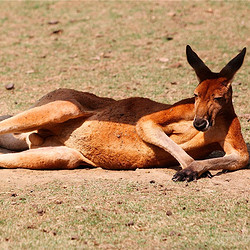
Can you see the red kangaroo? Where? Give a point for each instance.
(67, 128)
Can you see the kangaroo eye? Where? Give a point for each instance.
(195, 95)
(219, 98)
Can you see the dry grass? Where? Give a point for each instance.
(119, 49)
(111, 214)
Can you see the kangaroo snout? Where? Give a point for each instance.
(201, 124)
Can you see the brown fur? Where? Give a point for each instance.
(67, 128)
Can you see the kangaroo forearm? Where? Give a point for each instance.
(153, 134)
(228, 162)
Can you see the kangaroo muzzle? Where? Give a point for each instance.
(201, 124)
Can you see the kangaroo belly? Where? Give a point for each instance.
(112, 142)
(115, 146)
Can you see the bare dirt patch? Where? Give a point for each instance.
(235, 183)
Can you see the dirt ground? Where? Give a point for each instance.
(235, 183)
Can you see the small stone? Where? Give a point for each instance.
(53, 22)
(75, 237)
(58, 202)
(10, 86)
(210, 11)
(99, 35)
(41, 212)
(201, 210)
(129, 224)
(171, 14)
(30, 71)
(169, 213)
(106, 55)
(57, 32)
(84, 209)
(172, 233)
(163, 59)
(169, 38)
(236, 83)
(81, 208)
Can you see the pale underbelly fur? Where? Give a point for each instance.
(117, 146)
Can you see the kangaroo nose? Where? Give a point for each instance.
(201, 124)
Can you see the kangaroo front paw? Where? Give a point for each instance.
(186, 174)
(206, 174)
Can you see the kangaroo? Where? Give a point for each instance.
(68, 128)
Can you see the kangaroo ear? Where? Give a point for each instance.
(201, 70)
(232, 67)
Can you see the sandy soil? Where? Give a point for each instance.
(232, 182)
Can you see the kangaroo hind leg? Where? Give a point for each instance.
(10, 141)
(49, 158)
(47, 114)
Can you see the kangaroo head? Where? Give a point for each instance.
(214, 92)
